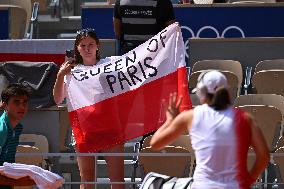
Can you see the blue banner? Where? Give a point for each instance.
(4, 24)
(206, 22)
(212, 22)
(101, 19)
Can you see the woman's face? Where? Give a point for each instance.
(88, 49)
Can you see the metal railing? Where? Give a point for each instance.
(262, 183)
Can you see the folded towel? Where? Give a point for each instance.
(44, 179)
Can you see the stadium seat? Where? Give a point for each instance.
(225, 65)
(32, 141)
(268, 119)
(268, 82)
(268, 77)
(65, 129)
(26, 5)
(172, 165)
(17, 21)
(273, 100)
(31, 9)
(274, 64)
(232, 78)
(29, 160)
(268, 110)
(182, 141)
(261, 99)
(38, 141)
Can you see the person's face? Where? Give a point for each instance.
(88, 49)
(17, 107)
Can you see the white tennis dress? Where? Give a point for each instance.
(214, 138)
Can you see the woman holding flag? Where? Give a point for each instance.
(87, 54)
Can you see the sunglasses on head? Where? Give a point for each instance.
(85, 31)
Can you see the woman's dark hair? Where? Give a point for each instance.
(15, 89)
(220, 100)
(81, 34)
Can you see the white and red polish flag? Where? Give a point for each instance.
(120, 98)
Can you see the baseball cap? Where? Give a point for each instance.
(211, 80)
